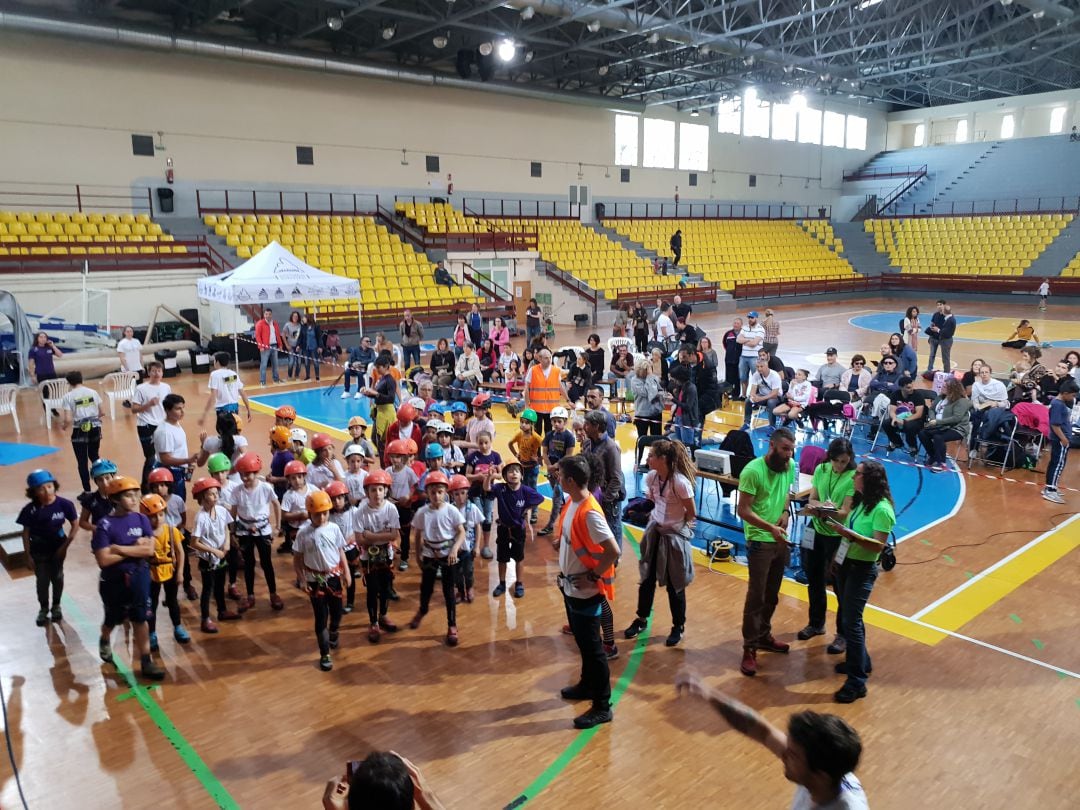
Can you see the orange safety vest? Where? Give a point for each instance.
(587, 549)
(544, 392)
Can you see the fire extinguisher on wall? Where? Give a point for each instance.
(449, 184)
(169, 176)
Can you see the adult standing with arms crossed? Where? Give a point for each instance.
(412, 332)
(533, 313)
(764, 490)
(940, 335)
(750, 337)
(544, 390)
(268, 338)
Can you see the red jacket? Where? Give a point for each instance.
(262, 335)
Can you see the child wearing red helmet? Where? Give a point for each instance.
(404, 427)
(257, 513)
(319, 562)
(294, 503)
(403, 481)
(325, 467)
(211, 538)
(377, 528)
(439, 532)
(341, 515)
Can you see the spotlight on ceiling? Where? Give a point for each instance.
(705, 50)
(529, 56)
(748, 61)
(528, 13)
(335, 21)
(654, 37)
(603, 70)
(485, 49)
(1038, 14)
(507, 50)
(694, 113)
(388, 32)
(440, 41)
(825, 77)
(798, 101)
(593, 26)
(789, 69)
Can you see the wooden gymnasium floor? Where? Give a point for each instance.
(974, 701)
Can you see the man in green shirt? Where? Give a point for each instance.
(764, 489)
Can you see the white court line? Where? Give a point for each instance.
(943, 518)
(985, 573)
(830, 315)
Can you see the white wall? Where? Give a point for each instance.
(68, 109)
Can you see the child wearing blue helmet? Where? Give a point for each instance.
(45, 539)
(96, 505)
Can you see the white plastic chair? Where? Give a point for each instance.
(119, 385)
(52, 394)
(8, 395)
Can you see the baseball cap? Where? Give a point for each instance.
(831, 350)
(752, 313)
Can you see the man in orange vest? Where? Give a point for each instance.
(587, 557)
(544, 390)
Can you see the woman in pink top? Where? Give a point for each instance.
(499, 334)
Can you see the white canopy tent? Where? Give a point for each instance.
(274, 275)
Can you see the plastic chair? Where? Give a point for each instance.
(120, 385)
(52, 394)
(8, 395)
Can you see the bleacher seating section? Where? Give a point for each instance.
(392, 273)
(604, 265)
(1072, 269)
(979, 245)
(728, 251)
(44, 233)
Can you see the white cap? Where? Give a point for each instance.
(354, 450)
(298, 435)
(559, 413)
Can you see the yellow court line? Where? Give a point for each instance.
(961, 605)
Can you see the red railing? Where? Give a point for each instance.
(254, 201)
(789, 288)
(870, 173)
(1015, 205)
(200, 255)
(663, 210)
(701, 294)
(436, 315)
(499, 207)
(75, 197)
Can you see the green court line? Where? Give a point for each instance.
(187, 753)
(582, 738)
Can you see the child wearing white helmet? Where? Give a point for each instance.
(453, 458)
(355, 472)
(558, 443)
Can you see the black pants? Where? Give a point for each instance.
(326, 605)
(543, 423)
(48, 572)
(648, 425)
(405, 514)
(584, 617)
(1014, 344)
(188, 553)
(428, 568)
(86, 447)
(352, 557)
(146, 441)
(910, 429)
(262, 543)
(934, 441)
(731, 375)
(378, 581)
(465, 579)
(641, 341)
(677, 255)
(234, 558)
(171, 587)
(213, 582)
(647, 593)
(815, 563)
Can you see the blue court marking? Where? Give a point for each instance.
(314, 405)
(886, 323)
(11, 453)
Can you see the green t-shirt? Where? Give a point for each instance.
(770, 491)
(832, 486)
(879, 519)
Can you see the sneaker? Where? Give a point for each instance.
(486, 553)
(451, 637)
(233, 592)
(1053, 496)
(634, 630)
(674, 637)
(42, 618)
(181, 634)
(57, 614)
(325, 664)
(838, 646)
(228, 616)
(500, 589)
(104, 649)
(809, 632)
(849, 694)
(611, 651)
(575, 692)
(387, 625)
(393, 596)
(938, 468)
(566, 631)
(276, 603)
(913, 452)
(347, 608)
(770, 644)
(358, 395)
(345, 395)
(403, 565)
(749, 662)
(593, 717)
(153, 642)
(246, 604)
(191, 593)
(892, 447)
(374, 634)
(459, 597)
(333, 638)
(519, 590)
(544, 532)
(152, 671)
(208, 626)
(745, 426)
(285, 548)
(415, 623)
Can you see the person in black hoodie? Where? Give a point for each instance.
(686, 422)
(940, 335)
(732, 353)
(442, 367)
(640, 320)
(578, 379)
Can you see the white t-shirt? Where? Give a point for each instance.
(174, 510)
(226, 386)
(403, 482)
(993, 391)
(799, 392)
(212, 445)
(369, 519)
(295, 500)
(748, 331)
(344, 521)
(473, 518)
(320, 548)
(85, 406)
(130, 350)
(763, 386)
(1044, 289)
(252, 508)
(212, 529)
(144, 392)
(355, 483)
(438, 528)
(453, 457)
(668, 512)
(171, 439)
(319, 475)
(851, 797)
(664, 326)
(580, 587)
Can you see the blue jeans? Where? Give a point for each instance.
(556, 502)
(769, 404)
(294, 363)
(410, 352)
(684, 433)
(854, 581)
(530, 333)
(311, 356)
(361, 379)
(268, 356)
(462, 389)
(613, 516)
(746, 367)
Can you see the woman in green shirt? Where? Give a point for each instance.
(831, 495)
(872, 518)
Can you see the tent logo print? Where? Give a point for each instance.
(284, 267)
(296, 292)
(279, 293)
(263, 294)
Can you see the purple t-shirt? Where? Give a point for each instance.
(47, 522)
(125, 530)
(479, 463)
(512, 503)
(43, 361)
(96, 504)
(277, 467)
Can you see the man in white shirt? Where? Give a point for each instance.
(226, 389)
(1044, 291)
(751, 337)
(820, 752)
(146, 405)
(986, 393)
(763, 388)
(170, 444)
(130, 351)
(664, 327)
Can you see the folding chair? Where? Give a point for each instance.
(120, 385)
(52, 393)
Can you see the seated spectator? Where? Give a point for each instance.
(488, 359)
(1072, 357)
(506, 357)
(950, 420)
(443, 361)
(774, 363)
(764, 389)
(1027, 376)
(886, 351)
(905, 355)
(1051, 383)
(986, 393)
(971, 375)
(383, 781)
(622, 366)
(442, 275)
(828, 376)
(578, 379)
(887, 379)
(357, 365)
(856, 380)
(798, 398)
(908, 408)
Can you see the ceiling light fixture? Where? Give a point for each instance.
(335, 21)
(1038, 14)
(748, 61)
(485, 49)
(529, 56)
(705, 50)
(528, 13)
(798, 101)
(654, 37)
(603, 70)
(507, 50)
(440, 41)
(694, 113)
(388, 32)
(593, 26)
(789, 69)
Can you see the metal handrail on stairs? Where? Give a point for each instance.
(901, 190)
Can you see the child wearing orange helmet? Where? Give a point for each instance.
(211, 539)
(377, 528)
(319, 562)
(281, 449)
(438, 530)
(257, 513)
(473, 517)
(160, 482)
(165, 567)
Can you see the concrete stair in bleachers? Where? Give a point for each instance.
(1058, 253)
(859, 249)
(944, 183)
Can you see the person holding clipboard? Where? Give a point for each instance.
(862, 537)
